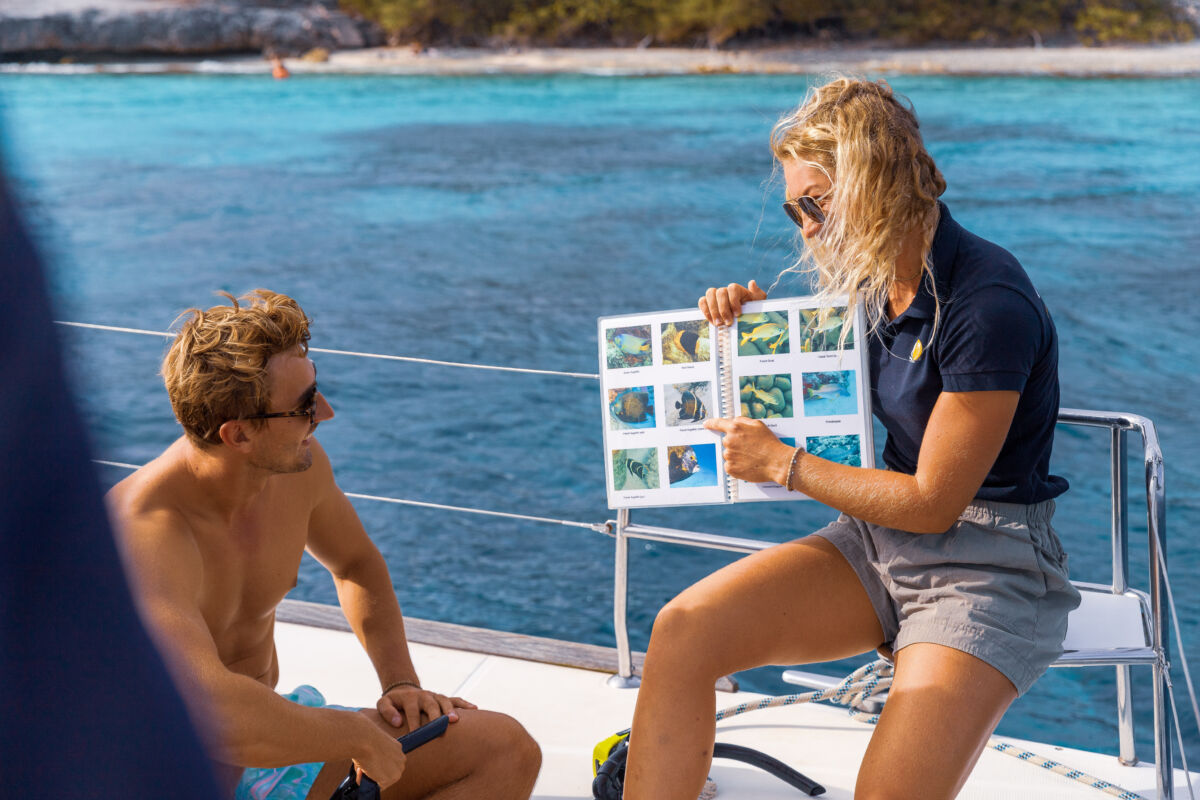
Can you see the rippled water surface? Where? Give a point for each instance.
(493, 219)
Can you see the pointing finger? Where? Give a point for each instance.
(719, 425)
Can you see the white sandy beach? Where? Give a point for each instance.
(1084, 62)
(1162, 60)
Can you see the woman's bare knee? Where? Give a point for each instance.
(682, 635)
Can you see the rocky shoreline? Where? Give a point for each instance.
(174, 29)
(230, 36)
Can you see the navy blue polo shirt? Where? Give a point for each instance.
(994, 334)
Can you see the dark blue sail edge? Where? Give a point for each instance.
(86, 706)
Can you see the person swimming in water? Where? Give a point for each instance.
(278, 70)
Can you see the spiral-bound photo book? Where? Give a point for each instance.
(798, 367)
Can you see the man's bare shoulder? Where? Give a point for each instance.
(151, 488)
(147, 510)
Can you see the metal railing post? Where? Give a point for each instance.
(1156, 531)
(624, 679)
(1120, 582)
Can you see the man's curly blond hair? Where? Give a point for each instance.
(867, 141)
(216, 369)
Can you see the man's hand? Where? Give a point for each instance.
(721, 306)
(410, 702)
(382, 758)
(752, 452)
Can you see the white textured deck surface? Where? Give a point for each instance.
(568, 710)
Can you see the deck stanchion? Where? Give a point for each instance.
(1120, 583)
(624, 679)
(1156, 531)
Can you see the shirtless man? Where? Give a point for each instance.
(213, 530)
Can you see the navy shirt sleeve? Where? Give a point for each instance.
(990, 341)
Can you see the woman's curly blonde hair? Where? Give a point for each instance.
(216, 369)
(867, 141)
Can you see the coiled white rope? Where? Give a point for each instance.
(872, 679)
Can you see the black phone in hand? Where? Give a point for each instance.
(367, 789)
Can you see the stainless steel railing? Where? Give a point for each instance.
(1119, 425)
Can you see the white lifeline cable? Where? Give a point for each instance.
(871, 679)
(598, 527)
(1187, 672)
(411, 359)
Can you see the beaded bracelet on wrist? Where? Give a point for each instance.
(792, 468)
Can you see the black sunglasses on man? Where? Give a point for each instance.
(309, 409)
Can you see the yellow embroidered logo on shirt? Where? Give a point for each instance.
(916, 351)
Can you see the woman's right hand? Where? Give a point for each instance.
(722, 306)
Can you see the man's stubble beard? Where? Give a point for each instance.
(301, 463)
(279, 467)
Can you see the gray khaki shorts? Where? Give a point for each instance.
(994, 585)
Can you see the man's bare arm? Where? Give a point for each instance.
(337, 539)
(248, 723)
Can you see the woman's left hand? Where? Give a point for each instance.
(752, 452)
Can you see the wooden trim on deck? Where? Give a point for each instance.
(481, 640)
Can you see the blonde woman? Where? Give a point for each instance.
(947, 556)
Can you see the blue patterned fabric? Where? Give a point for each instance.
(294, 781)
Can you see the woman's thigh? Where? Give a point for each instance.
(794, 603)
(942, 707)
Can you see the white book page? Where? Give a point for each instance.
(788, 371)
(658, 382)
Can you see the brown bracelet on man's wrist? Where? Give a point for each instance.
(397, 685)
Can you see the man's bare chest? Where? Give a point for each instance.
(249, 567)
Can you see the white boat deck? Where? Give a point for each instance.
(568, 710)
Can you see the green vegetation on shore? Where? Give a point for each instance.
(717, 22)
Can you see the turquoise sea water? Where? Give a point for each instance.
(493, 219)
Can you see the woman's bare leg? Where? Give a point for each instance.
(795, 603)
(941, 709)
